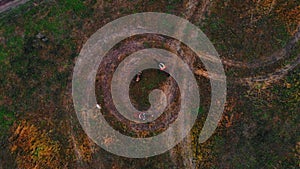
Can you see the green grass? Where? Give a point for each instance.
(77, 6)
(6, 120)
(274, 119)
(268, 33)
(271, 142)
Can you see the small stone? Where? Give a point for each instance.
(45, 39)
(40, 36)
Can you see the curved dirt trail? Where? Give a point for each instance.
(283, 53)
(198, 10)
(184, 157)
(276, 56)
(185, 153)
(6, 5)
(271, 77)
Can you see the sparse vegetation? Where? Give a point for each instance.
(34, 148)
(40, 40)
(6, 120)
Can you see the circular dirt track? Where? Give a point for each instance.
(139, 91)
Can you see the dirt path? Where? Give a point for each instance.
(276, 56)
(185, 157)
(6, 5)
(282, 54)
(271, 77)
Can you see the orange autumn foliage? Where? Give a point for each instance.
(33, 148)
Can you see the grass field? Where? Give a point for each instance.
(39, 43)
